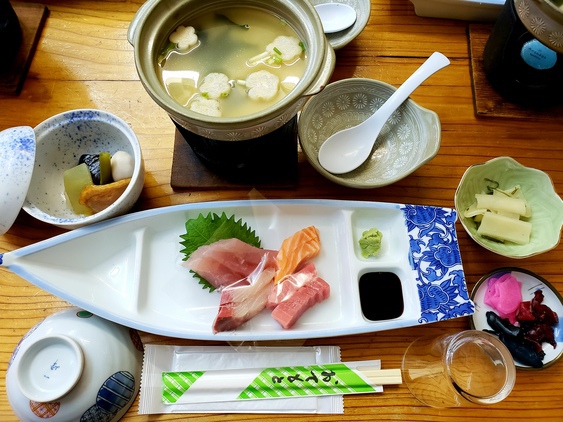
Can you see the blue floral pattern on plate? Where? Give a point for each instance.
(436, 259)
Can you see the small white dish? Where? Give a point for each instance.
(530, 283)
(538, 190)
(335, 17)
(75, 366)
(33, 161)
(341, 38)
(60, 141)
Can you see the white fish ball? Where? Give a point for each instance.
(122, 165)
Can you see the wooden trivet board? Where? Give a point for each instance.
(32, 19)
(188, 172)
(488, 102)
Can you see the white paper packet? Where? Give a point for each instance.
(159, 359)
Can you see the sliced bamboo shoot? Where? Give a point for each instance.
(501, 203)
(516, 192)
(505, 229)
(473, 211)
(508, 214)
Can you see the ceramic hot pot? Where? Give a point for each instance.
(523, 57)
(157, 19)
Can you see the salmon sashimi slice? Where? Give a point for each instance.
(297, 249)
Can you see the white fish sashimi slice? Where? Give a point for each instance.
(227, 261)
(241, 304)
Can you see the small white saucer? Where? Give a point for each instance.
(363, 9)
(50, 368)
(530, 283)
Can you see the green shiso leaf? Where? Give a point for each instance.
(205, 230)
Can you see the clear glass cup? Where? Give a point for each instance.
(460, 369)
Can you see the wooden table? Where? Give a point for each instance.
(83, 59)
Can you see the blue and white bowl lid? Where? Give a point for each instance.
(17, 160)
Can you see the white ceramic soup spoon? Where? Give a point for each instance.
(335, 17)
(348, 149)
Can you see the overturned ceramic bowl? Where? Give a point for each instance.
(75, 366)
(530, 283)
(410, 138)
(537, 189)
(60, 141)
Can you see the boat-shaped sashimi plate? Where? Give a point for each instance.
(129, 269)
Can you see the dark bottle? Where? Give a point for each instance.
(10, 34)
(520, 65)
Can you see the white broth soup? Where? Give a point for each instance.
(232, 62)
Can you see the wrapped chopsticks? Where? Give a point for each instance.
(283, 382)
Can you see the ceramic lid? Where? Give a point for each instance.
(17, 159)
(544, 20)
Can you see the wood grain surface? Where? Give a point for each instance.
(83, 59)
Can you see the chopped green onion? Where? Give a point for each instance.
(164, 54)
(277, 51)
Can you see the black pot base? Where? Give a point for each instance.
(203, 163)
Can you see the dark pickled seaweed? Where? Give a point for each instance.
(534, 327)
(501, 325)
(543, 312)
(537, 320)
(522, 352)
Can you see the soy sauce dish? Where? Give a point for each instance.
(530, 283)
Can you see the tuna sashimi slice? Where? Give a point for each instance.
(228, 261)
(240, 304)
(290, 310)
(291, 284)
(297, 249)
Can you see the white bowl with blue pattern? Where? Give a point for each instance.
(103, 359)
(59, 143)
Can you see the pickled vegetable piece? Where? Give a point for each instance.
(504, 295)
(501, 203)
(515, 192)
(75, 180)
(93, 163)
(536, 323)
(105, 168)
(504, 228)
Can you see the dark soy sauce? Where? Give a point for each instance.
(381, 296)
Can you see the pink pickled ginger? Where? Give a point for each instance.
(504, 295)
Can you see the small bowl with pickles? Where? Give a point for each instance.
(88, 168)
(509, 209)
